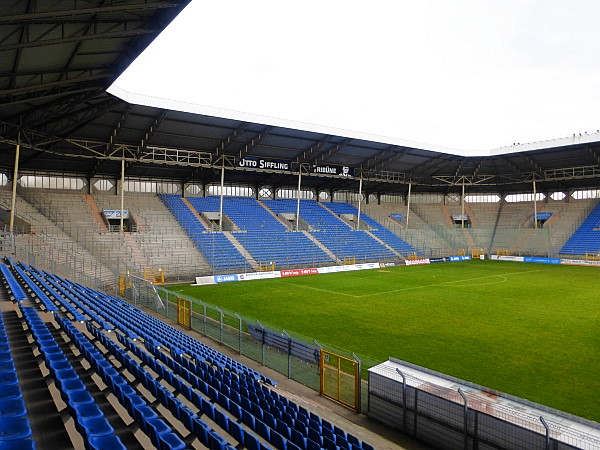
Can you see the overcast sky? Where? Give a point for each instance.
(472, 75)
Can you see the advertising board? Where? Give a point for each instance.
(416, 262)
(298, 272)
(226, 278)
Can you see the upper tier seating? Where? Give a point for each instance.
(586, 238)
(391, 239)
(340, 208)
(216, 248)
(312, 212)
(332, 232)
(282, 247)
(245, 212)
(264, 237)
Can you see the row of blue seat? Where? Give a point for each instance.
(216, 248)
(15, 429)
(333, 232)
(262, 232)
(14, 288)
(185, 415)
(56, 291)
(42, 293)
(204, 383)
(233, 394)
(89, 419)
(247, 213)
(282, 247)
(285, 421)
(37, 292)
(161, 434)
(136, 323)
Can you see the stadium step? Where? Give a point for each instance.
(322, 247)
(391, 249)
(241, 249)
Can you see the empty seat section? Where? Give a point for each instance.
(245, 212)
(264, 237)
(586, 239)
(218, 251)
(89, 419)
(333, 232)
(135, 323)
(282, 247)
(174, 366)
(375, 228)
(15, 428)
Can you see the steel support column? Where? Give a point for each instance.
(408, 205)
(14, 187)
(122, 194)
(298, 201)
(359, 201)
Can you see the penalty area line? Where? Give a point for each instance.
(444, 283)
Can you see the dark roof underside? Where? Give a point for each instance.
(56, 65)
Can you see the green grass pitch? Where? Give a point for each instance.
(531, 330)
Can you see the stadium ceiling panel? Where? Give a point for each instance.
(58, 58)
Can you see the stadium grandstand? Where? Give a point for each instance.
(104, 201)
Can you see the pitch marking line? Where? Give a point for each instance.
(323, 290)
(503, 276)
(448, 282)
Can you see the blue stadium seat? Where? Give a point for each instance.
(251, 442)
(110, 442)
(237, 432)
(216, 441)
(12, 408)
(19, 444)
(201, 430)
(95, 426)
(170, 441)
(14, 428)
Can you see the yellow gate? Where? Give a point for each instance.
(266, 266)
(124, 283)
(155, 275)
(349, 260)
(340, 379)
(184, 313)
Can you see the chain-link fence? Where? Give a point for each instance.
(289, 353)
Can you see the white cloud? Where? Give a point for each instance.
(466, 74)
